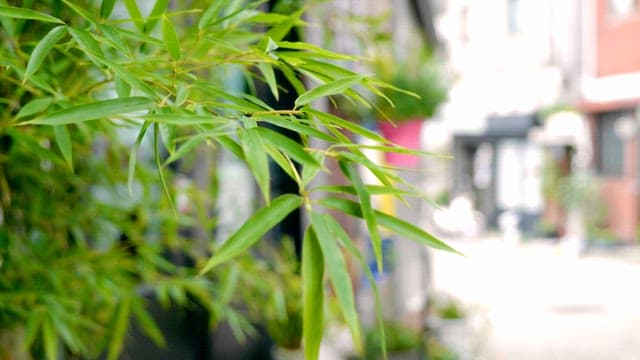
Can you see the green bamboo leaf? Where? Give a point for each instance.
(50, 339)
(346, 242)
(34, 324)
(270, 78)
(364, 198)
(133, 155)
(328, 89)
(185, 119)
(257, 159)
(338, 274)
(156, 155)
(396, 149)
(159, 7)
(314, 50)
(288, 146)
(146, 323)
(171, 39)
(392, 223)
(211, 13)
(112, 38)
(42, 49)
(279, 31)
(22, 13)
(120, 325)
(134, 13)
(168, 135)
(106, 7)
(312, 294)
(88, 44)
(123, 89)
(82, 12)
(35, 106)
(185, 148)
(64, 143)
(253, 229)
(332, 121)
(296, 125)
(231, 145)
(94, 110)
(371, 189)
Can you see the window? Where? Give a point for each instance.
(610, 145)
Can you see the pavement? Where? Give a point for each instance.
(536, 299)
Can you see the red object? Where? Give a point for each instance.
(406, 134)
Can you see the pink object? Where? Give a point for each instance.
(406, 134)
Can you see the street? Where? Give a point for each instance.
(537, 300)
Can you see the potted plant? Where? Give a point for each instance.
(403, 111)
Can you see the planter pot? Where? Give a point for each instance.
(405, 133)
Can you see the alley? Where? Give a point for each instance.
(535, 300)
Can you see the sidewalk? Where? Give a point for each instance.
(535, 300)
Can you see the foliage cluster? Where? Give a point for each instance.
(89, 217)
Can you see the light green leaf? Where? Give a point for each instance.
(312, 294)
(64, 143)
(346, 242)
(120, 325)
(257, 159)
(22, 13)
(288, 146)
(185, 148)
(296, 125)
(35, 106)
(158, 8)
(106, 7)
(81, 11)
(146, 322)
(270, 78)
(156, 155)
(392, 223)
(87, 43)
(185, 119)
(133, 155)
(94, 110)
(171, 39)
(371, 189)
(211, 13)
(314, 50)
(338, 274)
(50, 339)
(331, 121)
(328, 89)
(123, 89)
(43, 48)
(134, 13)
(253, 229)
(364, 198)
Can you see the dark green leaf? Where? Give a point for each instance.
(288, 146)
(312, 294)
(257, 159)
(120, 325)
(338, 274)
(95, 110)
(43, 48)
(328, 89)
(146, 323)
(64, 143)
(22, 13)
(253, 229)
(106, 7)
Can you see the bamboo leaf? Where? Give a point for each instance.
(43, 48)
(22, 13)
(146, 323)
(270, 78)
(313, 50)
(35, 106)
(296, 125)
(312, 294)
(328, 89)
(64, 143)
(156, 155)
(367, 210)
(50, 339)
(288, 146)
(123, 89)
(211, 13)
(371, 189)
(127, 76)
(338, 274)
(185, 148)
(171, 39)
(253, 229)
(106, 7)
(121, 323)
(185, 119)
(392, 223)
(257, 159)
(94, 110)
(331, 121)
(133, 155)
(159, 7)
(134, 13)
